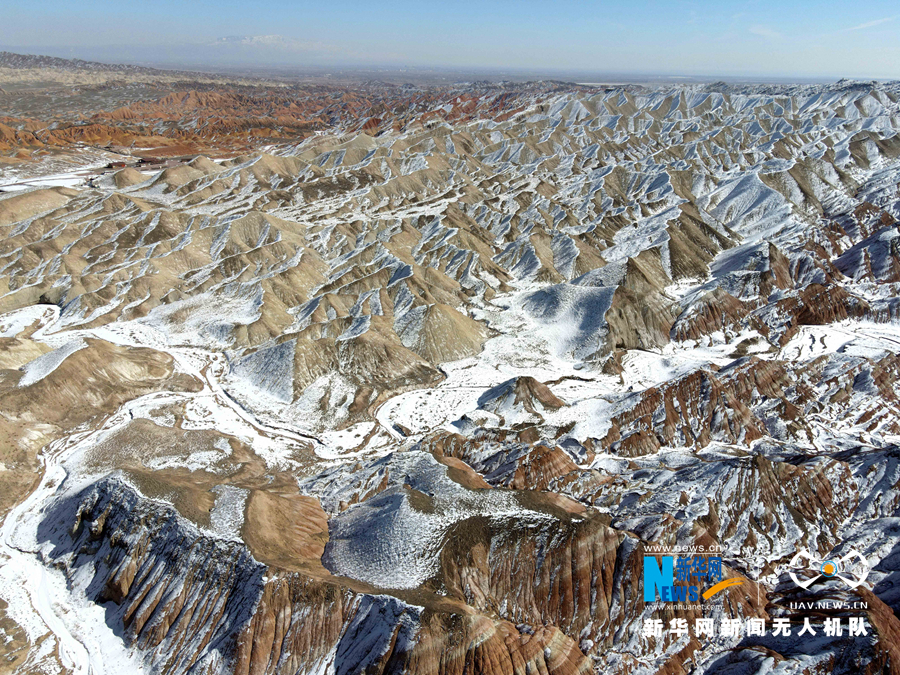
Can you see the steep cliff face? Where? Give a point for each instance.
(178, 596)
(192, 603)
(581, 575)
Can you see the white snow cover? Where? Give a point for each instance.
(393, 540)
(45, 364)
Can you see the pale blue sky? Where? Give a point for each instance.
(762, 38)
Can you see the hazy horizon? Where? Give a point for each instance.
(396, 72)
(746, 39)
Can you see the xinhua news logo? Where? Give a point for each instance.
(852, 568)
(681, 578)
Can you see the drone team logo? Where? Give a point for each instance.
(852, 568)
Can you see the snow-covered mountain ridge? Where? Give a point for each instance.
(420, 401)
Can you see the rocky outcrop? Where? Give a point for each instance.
(193, 603)
(505, 463)
(585, 575)
(693, 411)
(519, 398)
(640, 316)
(717, 310)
